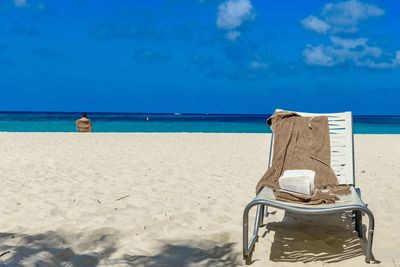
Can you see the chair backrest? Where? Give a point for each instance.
(341, 140)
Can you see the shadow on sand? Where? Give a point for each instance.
(185, 255)
(327, 238)
(49, 249)
(56, 249)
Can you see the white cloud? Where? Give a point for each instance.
(346, 15)
(349, 43)
(318, 56)
(20, 3)
(315, 24)
(232, 13)
(352, 51)
(375, 65)
(232, 35)
(259, 63)
(372, 51)
(256, 64)
(397, 58)
(341, 17)
(394, 63)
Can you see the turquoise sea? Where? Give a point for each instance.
(134, 122)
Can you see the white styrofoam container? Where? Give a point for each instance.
(298, 181)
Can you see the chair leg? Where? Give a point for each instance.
(265, 210)
(358, 217)
(258, 221)
(358, 223)
(248, 246)
(261, 216)
(370, 232)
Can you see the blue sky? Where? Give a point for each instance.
(215, 56)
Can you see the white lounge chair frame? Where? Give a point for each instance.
(342, 162)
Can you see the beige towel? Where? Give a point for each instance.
(302, 143)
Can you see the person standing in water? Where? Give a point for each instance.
(83, 124)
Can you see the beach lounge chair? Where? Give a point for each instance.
(342, 162)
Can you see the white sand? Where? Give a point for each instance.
(184, 198)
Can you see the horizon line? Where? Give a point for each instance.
(175, 113)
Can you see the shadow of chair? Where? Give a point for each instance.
(329, 238)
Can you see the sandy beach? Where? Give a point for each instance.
(174, 199)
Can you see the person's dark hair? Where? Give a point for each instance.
(84, 114)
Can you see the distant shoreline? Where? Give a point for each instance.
(168, 133)
(171, 123)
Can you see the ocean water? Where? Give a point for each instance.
(209, 123)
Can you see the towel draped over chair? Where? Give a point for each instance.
(302, 143)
